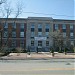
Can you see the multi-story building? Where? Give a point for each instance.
(37, 34)
(67, 28)
(13, 32)
(34, 32)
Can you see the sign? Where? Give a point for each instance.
(40, 38)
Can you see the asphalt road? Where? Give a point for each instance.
(37, 67)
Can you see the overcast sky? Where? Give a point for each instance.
(58, 9)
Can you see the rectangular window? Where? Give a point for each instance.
(47, 27)
(72, 43)
(13, 43)
(6, 34)
(32, 27)
(47, 43)
(39, 43)
(64, 34)
(71, 35)
(39, 27)
(47, 33)
(22, 43)
(56, 26)
(32, 43)
(21, 34)
(6, 25)
(47, 30)
(14, 34)
(32, 34)
(14, 25)
(39, 33)
(71, 27)
(63, 26)
(22, 25)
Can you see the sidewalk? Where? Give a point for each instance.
(40, 55)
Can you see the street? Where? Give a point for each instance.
(37, 67)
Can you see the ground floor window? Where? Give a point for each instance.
(32, 43)
(39, 43)
(47, 43)
(22, 43)
(13, 43)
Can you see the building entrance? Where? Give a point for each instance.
(39, 46)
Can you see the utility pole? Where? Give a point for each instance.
(0, 39)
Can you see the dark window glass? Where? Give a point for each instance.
(32, 29)
(39, 29)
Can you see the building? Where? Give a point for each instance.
(37, 34)
(34, 32)
(39, 29)
(13, 32)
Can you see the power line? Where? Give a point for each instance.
(49, 14)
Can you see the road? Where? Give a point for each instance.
(37, 67)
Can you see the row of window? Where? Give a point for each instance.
(39, 43)
(64, 26)
(71, 35)
(33, 34)
(14, 43)
(14, 25)
(47, 27)
(13, 34)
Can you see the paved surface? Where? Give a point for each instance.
(40, 55)
(37, 67)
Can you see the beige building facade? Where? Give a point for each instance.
(37, 33)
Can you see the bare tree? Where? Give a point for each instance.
(7, 11)
(2, 1)
(59, 40)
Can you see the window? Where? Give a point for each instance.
(47, 28)
(22, 25)
(14, 25)
(13, 43)
(64, 34)
(56, 26)
(22, 43)
(6, 25)
(21, 34)
(32, 33)
(71, 27)
(47, 33)
(63, 26)
(32, 27)
(4, 41)
(39, 27)
(47, 43)
(14, 34)
(72, 42)
(39, 43)
(32, 43)
(6, 34)
(71, 35)
(39, 33)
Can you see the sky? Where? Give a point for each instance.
(57, 9)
